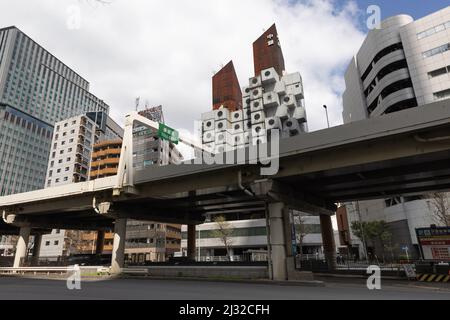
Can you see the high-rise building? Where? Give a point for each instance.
(36, 90)
(404, 64)
(105, 159)
(273, 99)
(70, 162)
(151, 241)
(72, 145)
(226, 89)
(267, 52)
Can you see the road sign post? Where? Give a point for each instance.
(169, 134)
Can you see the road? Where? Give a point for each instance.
(26, 289)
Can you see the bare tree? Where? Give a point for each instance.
(440, 204)
(224, 232)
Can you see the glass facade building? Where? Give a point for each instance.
(36, 91)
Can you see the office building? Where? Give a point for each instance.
(247, 238)
(404, 64)
(36, 90)
(70, 162)
(149, 241)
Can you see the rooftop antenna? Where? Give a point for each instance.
(138, 100)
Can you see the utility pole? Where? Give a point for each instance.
(326, 112)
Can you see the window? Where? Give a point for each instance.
(60, 161)
(65, 125)
(68, 159)
(437, 73)
(58, 171)
(442, 94)
(47, 243)
(67, 168)
(56, 242)
(57, 180)
(66, 178)
(61, 152)
(436, 51)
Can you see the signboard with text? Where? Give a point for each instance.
(434, 243)
(167, 133)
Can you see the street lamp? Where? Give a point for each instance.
(326, 112)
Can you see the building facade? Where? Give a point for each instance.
(247, 238)
(70, 162)
(36, 90)
(404, 64)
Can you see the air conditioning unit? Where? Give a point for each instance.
(237, 116)
(223, 125)
(237, 127)
(273, 123)
(255, 82)
(247, 125)
(292, 78)
(245, 92)
(223, 138)
(296, 90)
(271, 99)
(209, 125)
(210, 146)
(269, 76)
(256, 105)
(222, 114)
(299, 114)
(256, 93)
(237, 139)
(246, 102)
(289, 101)
(208, 115)
(209, 136)
(258, 130)
(292, 126)
(282, 112)
(258, 117)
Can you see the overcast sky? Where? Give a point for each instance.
(166, 51)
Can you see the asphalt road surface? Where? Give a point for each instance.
(26, 289)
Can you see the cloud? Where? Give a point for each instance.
(165, 51)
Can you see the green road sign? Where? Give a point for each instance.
(167, 133)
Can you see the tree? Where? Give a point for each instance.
(224, 232)
(373, 231)
(441, 208)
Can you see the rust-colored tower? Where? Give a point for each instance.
(267, 52)
(226, 89)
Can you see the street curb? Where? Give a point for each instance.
(356, 276)
(304, 283)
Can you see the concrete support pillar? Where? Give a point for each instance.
(99, 246)
(118, 252)
(277, 241)
(36, 248)
(329, 246)
(22, 246)
(191, 245)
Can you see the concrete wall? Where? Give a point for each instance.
(210, 272)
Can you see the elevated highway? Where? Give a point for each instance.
(404, 153)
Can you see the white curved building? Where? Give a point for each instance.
(404, 64)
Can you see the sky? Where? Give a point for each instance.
(166, 51)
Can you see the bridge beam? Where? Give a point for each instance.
(118, 252)
(22, 246)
